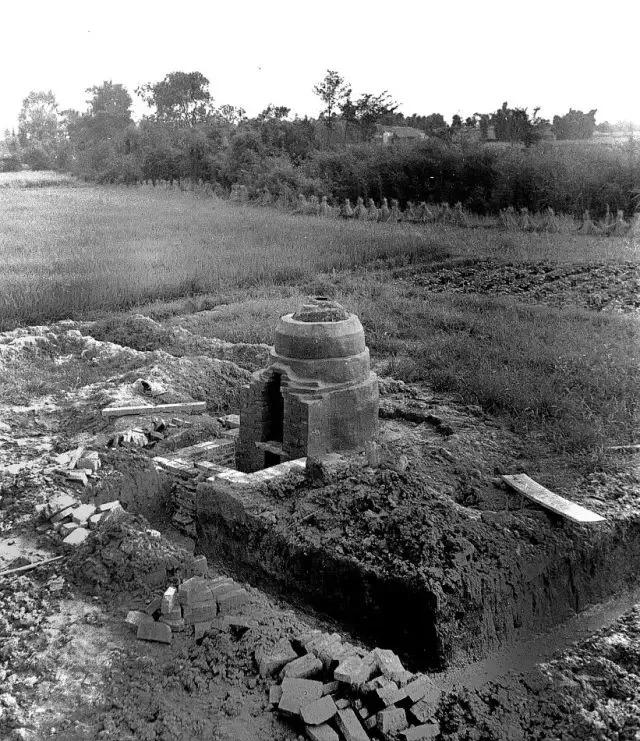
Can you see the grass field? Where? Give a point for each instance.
(88, 251)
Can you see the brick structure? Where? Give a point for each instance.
(318, 394)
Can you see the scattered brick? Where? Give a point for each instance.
(78, 536)
(392, 720)
(169, 600)
(107, 506)
(135, 617)
(330, 687)
(391, 666)
(304, 667)
(342, 703)
(63, 515)
(152, 631)
(390, 694)
(272, 660)
(424, 732)
(318, 711)
(65, 528)
(94, 520)
(59, 502)
(153, 606)
(321, 733)
(425, 709)
(355, 670)
(82, 513)
(350, 727)
(419, 687)
(298, 692)
(78, 476)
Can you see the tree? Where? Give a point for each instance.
(370, 109)
(109, 112)
(181, 97)
(575, 125)
(39, 121)
(277, 112)
(332, 91)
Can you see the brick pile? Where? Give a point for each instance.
(339, 692)
(78, 465)
(198, 605)
(72, 521)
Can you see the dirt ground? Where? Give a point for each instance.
(71, 668)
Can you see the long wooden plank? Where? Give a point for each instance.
(545, 498)
(189, 407)
(30, 566)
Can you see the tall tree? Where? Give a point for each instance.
(181, 97)
(333, 90)
(39, 121)
(575, 125)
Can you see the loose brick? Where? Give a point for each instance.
(390, 695)
(94, 520)
(135, 617)
(65, 528)
(78, 536)
(321, 733)
(391, 666)
(298, 692)
(201, 629)
(82, 513)
(354, 670)
(108, 506)
(425, 732)
(158, 632)
(425, 709)
(275, 694)
(272, 660)
(328, 688)
(63, 515)
(153, 606)
(232, 600)
(304, 667)
(392, 720)
(169, 600)
(59, 502)
(318, 711)
(350, 727)
(419, 687)
(342, 703)
(200, 565)
(199, 613)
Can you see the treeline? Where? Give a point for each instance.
(339, 155)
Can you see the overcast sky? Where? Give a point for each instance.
(446, 57)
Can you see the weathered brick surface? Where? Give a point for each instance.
(78, 536)
(272, 660)
(303, 667)
(425, 732)
(231, 600)
(350, 727)
(392, 720)
(298, 692)
(158, 632)
(355, 670)
(323, 732)
(318, 711)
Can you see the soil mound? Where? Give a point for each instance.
(126, 556)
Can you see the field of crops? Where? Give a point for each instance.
(85, 251)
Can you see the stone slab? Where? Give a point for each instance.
(298, 692)
(151, 631)
(189, 408)
(323, 732)
(303, 667)
(350, 727)
(78, 536)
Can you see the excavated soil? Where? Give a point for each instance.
(597, 286)
(427, 553)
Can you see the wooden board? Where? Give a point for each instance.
(189, 407)
(547, 499)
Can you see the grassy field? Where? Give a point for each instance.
(88, 251)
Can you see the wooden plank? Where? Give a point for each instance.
(635, 448)
(188, 407)
(547, 499)
(30, 566)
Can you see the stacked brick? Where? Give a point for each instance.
(198, 605)
(190, 467)
(339, 692)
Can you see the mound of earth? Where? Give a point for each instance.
(125, 555)
(593, 285)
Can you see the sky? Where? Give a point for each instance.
(447, 57)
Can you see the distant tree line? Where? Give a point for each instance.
(185, 135)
